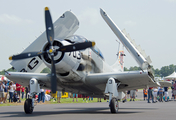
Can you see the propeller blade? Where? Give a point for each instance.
(49, 26)
(25, 55)
(76, 47)
(53, 76)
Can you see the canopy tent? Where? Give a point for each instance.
(171, 77)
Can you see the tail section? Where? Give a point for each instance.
(119, 64)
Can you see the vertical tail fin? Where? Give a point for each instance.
(119, 64)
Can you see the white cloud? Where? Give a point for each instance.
(90, 16)
(130, 23)
(12, 19)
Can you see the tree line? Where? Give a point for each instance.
(163, 72)
(45, 70)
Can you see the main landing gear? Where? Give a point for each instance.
(29, 103)
(28, 107)
(111, 89)
(114, 105)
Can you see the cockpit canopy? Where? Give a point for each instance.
(80, 39)
(76, 39)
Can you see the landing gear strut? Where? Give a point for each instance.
(29, 103)
(114, 106)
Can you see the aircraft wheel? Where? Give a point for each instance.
(114, 106)
(28, 106)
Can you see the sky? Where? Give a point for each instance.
(151, 23)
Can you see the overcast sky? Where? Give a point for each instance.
(152, 23)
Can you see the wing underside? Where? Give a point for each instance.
(128, 80)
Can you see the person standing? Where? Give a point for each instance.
(11, 91)
(174, 86)
(59, 94)
(2, 86)
(132, 94)
(41, 96)
(99, 99)
(145, 93)
(155, 94)
(22, 91)
(128, 94)
(75, 96)
(18, 90)
(26, 92)
(161, 94)
(5, 91)
(166, 94)
(84, 96)
(150, 94)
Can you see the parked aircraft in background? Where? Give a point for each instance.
(77, 65)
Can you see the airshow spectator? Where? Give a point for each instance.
(161, 94)
(2, 86)
(166, 94)
(59, 94)
(84, 96)
(128, 94)
(174, 86)
(150, 94)
(18, 90)
(90, 98)
(14, 86)
(41, 96)
(99, 99)
(75, 96)
(132, 94)
(155, 94)
(26, 92)
(145, 93)
(5, 91)
(11, 91)
(22, 91)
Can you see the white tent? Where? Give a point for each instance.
(171, 77)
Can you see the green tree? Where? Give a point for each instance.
(46, 70)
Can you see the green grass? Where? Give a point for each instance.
(70, 100)
(63, 101)
(53, 101)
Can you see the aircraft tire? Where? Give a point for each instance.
(114, 105)
(28, 106)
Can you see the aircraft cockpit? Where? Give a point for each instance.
(76, 39)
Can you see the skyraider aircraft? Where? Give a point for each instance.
(77, 65)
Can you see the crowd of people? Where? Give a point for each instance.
(153, 94)
(13, 92)
(160, 94)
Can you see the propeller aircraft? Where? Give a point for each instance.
(77, 65)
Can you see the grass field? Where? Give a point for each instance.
(63, 101)
(53, 101)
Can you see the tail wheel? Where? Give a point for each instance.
(114, 106)
(28, 106)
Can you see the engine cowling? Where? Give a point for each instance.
(64, 61)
